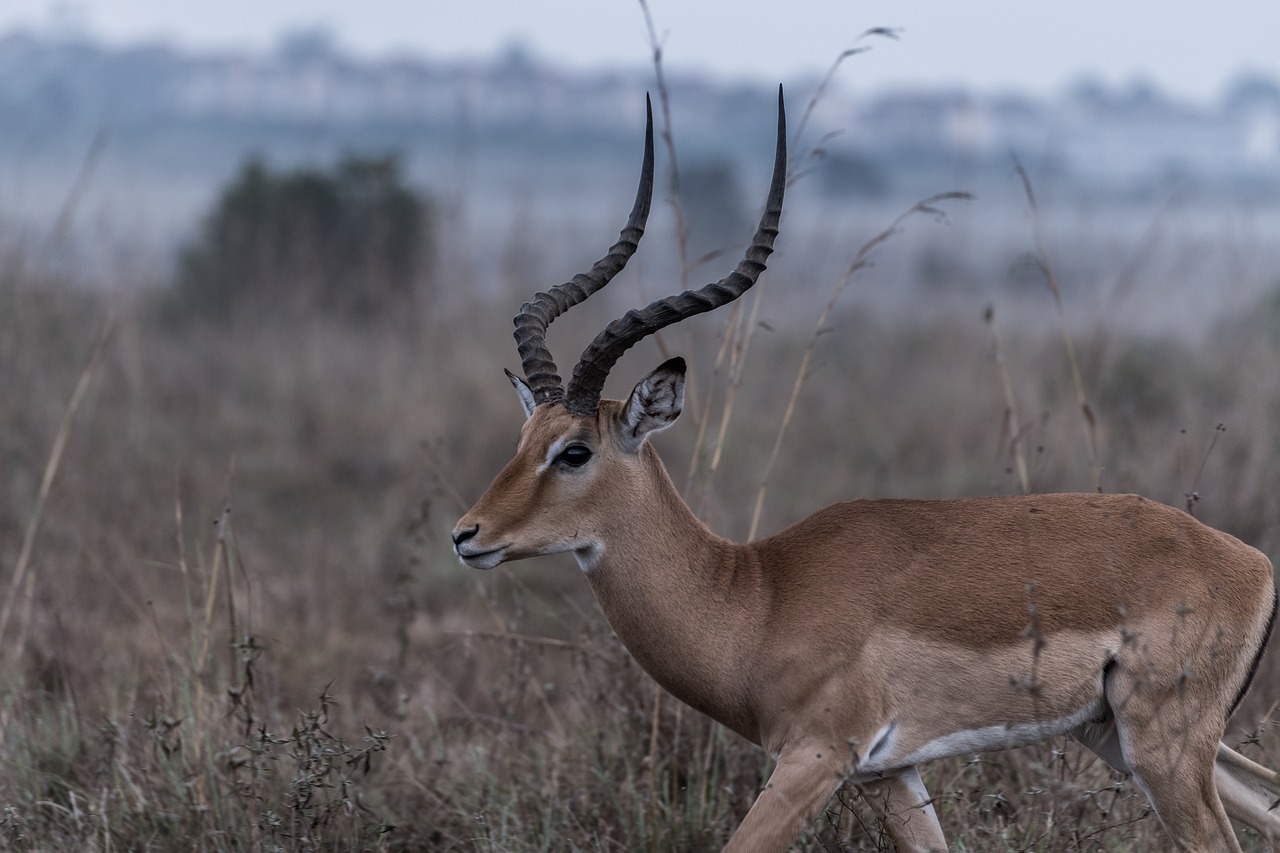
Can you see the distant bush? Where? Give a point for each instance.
(351, 242)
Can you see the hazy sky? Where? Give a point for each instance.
(1189, 48)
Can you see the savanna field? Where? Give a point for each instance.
(230, 618)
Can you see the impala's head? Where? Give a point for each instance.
(580, 457)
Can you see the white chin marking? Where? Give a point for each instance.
(589, 556)
(483, 561)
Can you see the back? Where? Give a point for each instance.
(978, 571)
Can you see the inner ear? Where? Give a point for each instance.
(525, 392)
(654, 404)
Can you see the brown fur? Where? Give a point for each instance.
(875, 631)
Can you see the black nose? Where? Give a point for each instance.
(460, 536)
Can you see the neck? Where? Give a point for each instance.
(684, 601)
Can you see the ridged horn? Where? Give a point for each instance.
(587, 383)
(535, 315)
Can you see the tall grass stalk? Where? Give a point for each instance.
(21, 567)
(668, 138)
(824, 84)
(1012, 425)
(860, 261)
(395, 701)
(1041, 255)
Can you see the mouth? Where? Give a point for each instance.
(481, 559)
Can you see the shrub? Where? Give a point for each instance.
(350, 242)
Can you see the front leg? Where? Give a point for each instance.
(903, 805)
(803, 780)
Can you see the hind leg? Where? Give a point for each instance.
(1179, 781)
(1168, 740)
(1242, 785)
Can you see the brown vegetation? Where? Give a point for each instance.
(238, 624)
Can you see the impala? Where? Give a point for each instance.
(877, 635)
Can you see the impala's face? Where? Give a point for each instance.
(569, 473)
(541, 502)
(579, 455)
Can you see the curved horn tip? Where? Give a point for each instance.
(782, 114)
(582, 394)
(539, 312)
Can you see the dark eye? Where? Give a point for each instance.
(575, 455)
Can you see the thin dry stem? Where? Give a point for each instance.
(220, 558)
(668, 139)
(21, 567)
(654, 731)
(738, 362)
(820, 92)
(62, 225)
(667, 136)
(231, 556)
(1088, 421)
(1193, 494)
(1013, 423)
(860, 261)
(704, 414)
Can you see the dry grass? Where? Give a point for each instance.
(232, 620)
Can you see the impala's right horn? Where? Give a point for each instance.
(583, 396)
(534, 317)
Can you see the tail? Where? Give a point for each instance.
(1239, 764)
(1257, 655)
(1249, 792)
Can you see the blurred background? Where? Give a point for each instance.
(258, 263)
(123, 123)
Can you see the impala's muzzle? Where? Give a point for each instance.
(475, 555)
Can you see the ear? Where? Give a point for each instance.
(654, 404)
(525, 392)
